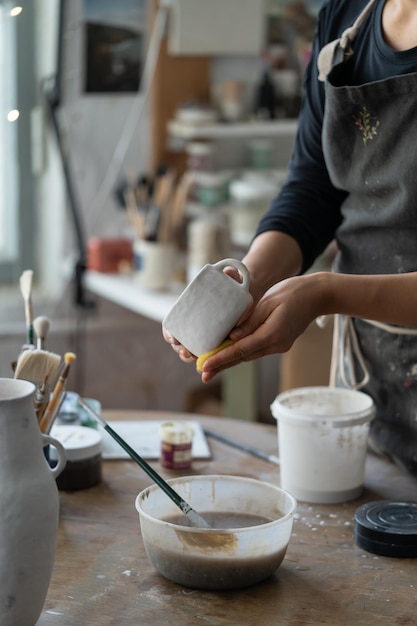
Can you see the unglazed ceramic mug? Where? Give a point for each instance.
(209, 307)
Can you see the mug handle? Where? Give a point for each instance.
(62, 457)
(238, 265)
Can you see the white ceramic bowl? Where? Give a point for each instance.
(217, 558)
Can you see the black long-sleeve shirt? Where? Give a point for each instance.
(308, 205)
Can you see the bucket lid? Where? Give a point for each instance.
(387, 528)
(338, 406)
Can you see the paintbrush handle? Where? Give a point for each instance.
(242, 446)
(55, 401)
(166, 487)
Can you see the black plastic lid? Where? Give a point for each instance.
(388, 528)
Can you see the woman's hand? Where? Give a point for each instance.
(182, 352)
(278, 319)
(272, 257)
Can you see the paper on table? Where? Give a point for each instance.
(143, 437)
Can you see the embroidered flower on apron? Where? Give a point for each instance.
(366, 124)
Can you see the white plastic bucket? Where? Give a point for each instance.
(322, 439)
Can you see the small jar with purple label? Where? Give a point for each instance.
(176, 445)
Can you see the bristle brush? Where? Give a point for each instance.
(26, 281)
(57, 394)
(36, 365)
(41, 368)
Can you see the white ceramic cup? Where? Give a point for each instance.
(322, 439)
(209, 307)
(154, 263)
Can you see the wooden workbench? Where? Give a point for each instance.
(102, 576)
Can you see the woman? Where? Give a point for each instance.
(352, 177)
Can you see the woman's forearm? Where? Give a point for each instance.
(389, 298)
(272, 257)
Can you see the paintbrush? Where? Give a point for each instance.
(243, 446)
(179, 201)
(58, 394)
(40, 367)
(194, 517)
(36, 365)
(26, 281)
(41, 326)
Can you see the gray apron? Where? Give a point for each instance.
(370, 148)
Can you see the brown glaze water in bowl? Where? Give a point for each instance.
(212, 563)
(251, 528)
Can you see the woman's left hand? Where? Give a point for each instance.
(278, 319)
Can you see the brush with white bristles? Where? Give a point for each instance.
(26, 281)
(41, 368)
(41, 326)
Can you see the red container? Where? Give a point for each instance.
(107, 255)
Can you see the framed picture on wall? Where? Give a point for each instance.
(114, 44)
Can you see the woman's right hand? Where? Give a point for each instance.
(182, 352)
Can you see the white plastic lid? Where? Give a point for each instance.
(80, 442)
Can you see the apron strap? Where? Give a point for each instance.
(345, 349)
(340, 49)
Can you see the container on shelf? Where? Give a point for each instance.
(250, 199)
(212, 187)
(261, 154)
(196, 115)
(199, 159)
(200, 156)
(208, 240)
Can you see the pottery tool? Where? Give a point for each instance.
(39, 367)
(41, 326)
(26, 281)
(58, 394)
(203, 357)
(194, 517)
(242, 446)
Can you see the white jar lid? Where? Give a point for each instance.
(199, 148)
(176, 432)
(80, 442)
(212, 179)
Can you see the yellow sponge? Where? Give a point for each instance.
(203, 357)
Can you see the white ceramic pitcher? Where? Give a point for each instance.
(29, 506)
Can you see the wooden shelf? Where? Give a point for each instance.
(126, 292)
(236, 130)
